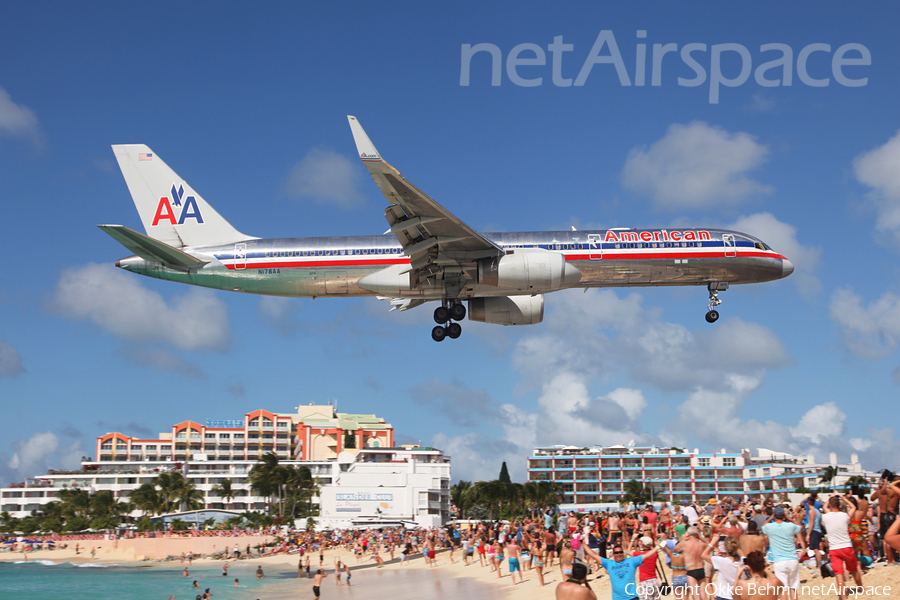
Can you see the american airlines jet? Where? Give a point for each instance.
(432, 255)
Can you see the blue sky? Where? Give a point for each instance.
(249, 105)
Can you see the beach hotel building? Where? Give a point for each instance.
(317, 436)
(598, 475)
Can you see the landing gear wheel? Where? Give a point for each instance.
(454, 330)
(712, 316)
(441, 315)
(438, 334)
(457, 312)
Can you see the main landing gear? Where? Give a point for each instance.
(442, 315)
(714, 288)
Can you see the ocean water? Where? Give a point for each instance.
(92, 581)
(43, 580)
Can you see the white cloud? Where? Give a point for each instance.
(117, 302)
(17, 120)
(10, 360)
(326, 177)
(821, 421)
(696, 166)
(871, 332)
(42, 451)
(880, 169)
(782, 238)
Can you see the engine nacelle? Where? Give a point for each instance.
(507, 310)
(529, 270)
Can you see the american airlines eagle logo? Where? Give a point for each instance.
(165, 210)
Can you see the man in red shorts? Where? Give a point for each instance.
(837, 524)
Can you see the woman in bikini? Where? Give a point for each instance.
(498, 557)
(566, 559)
(679, 574)
(537, 552)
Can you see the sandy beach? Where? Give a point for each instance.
(410, 582)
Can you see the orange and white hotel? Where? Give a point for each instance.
(313, 433)
(208, 453)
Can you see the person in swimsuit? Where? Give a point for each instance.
(337, 573)
(514, 551)
(498, 557)
(347, 571)
(537, 553)
(566, 559)
(320, 575)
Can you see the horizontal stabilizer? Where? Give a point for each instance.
(150, 249)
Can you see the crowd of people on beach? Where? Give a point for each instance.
(731, 549)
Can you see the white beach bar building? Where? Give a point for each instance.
(409, 484)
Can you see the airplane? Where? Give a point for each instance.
(433, 256)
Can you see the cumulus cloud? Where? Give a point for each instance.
(782, 238)
(870, 332)
(696, 166)
(41, 451)
(880, 170)
(326, 177)
(10, 360)
(116, 302)
(17, 120)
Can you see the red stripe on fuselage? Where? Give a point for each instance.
(607, 255)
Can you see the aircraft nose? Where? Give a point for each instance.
(787, 267)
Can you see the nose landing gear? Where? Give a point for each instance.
(714, 288)
(454, 310)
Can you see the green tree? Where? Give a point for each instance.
(148, 499)
(858, 481)
(349, 439)
(828, 475)
(504, 474)
(225, 490)
(462, 497)
(635, 493)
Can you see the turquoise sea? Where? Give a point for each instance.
(92, 581)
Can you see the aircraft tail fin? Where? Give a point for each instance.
(171, 211)
(150, 249)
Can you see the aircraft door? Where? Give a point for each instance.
(595, 245)
(729, 244)
(240, 257)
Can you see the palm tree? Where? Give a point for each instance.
(224, 490)
(298, 483)
(828, 474)
(148, 499)
(461, 496)
(188, 496)
(858, 481)
(76, 502)
(168, 484)
(636, 493)
(268, 478)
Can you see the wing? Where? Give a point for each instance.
(440, 245)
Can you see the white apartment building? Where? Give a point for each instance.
(209, 453)
(598, 474)
(409, 483)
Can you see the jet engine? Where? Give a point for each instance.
(508, 310)
(529, 270)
